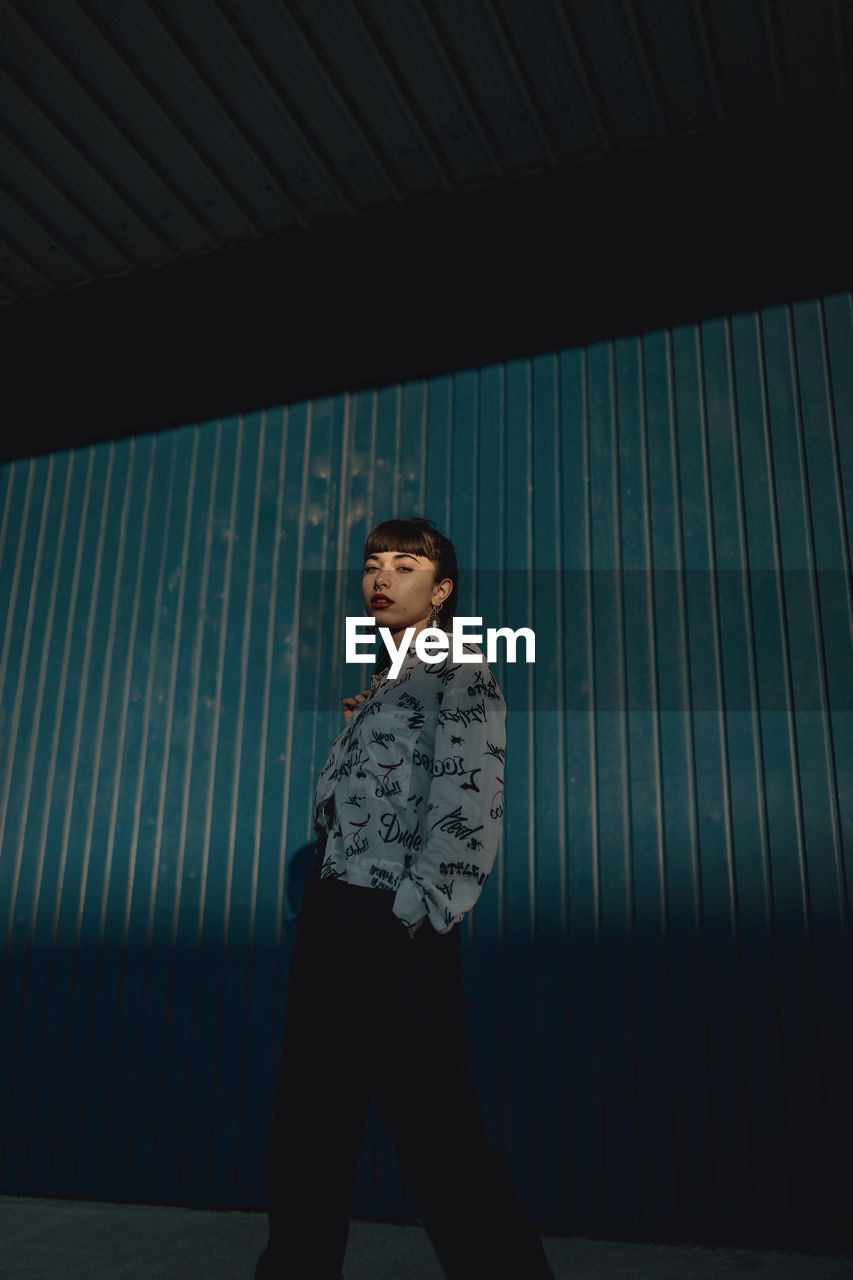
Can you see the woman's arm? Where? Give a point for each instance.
(464, 809)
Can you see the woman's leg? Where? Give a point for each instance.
(425, 1091)
(321, 1099)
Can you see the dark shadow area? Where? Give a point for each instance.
(751, 215)
(689, 1090)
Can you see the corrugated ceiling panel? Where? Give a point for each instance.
(550, 62)
(144, 132)
(496, 82)
(738, 48)
(86, 116)
(107, 70)
(671, 43)
(417, 49)
(41, 133)
(605, 39)
(255, 75)
(239, 182)
(361, 62)
(658, 969)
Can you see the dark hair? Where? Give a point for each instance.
(419, 536)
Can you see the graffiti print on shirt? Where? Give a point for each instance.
(331, 870)
(449, 767)
(481, 686)
(356, 842)
(419, 774)
(393, 833)
(455, 824)
(415, 707)
(387, 787)
(382, 878)
(463, 869)
(473, 713)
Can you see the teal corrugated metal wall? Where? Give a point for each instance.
(660, 966)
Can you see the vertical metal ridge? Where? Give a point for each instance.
(229, 857)
(784, 1067)
(646, 556)
(205, 842)
(291, 711)
(268, 662)
(134, 839)
(345, 517)
(11, 607)
(115, 787)
(188, 499)
(96, 768)
(529, 545)
(46, 638)
(244, 671)
(819, 666)
(170, 702)
(742, 559)
(4, 659)
(678, 567)
(724, 750)
(8, 478)
(84, 689)
(195, 670)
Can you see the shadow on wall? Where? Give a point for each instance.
(694, 1087)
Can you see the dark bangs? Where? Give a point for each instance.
(399, 535)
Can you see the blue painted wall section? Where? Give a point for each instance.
(660, 964)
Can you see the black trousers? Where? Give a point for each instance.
(371, 1010)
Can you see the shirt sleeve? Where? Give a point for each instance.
(464, 810)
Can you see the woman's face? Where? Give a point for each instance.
(408, 581)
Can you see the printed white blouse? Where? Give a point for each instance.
(411, 797)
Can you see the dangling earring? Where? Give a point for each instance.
(433, 617)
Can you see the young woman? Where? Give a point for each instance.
(407, 813)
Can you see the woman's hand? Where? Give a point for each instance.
(350, 704)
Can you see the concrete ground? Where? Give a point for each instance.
(96, 1240)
